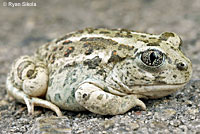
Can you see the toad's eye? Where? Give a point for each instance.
(153, 58)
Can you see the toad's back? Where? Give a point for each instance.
(108, 45)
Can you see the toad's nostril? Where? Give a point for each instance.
(182, 66)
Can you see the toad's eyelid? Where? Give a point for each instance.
(152, 48)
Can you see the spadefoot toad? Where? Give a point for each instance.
(105, 71)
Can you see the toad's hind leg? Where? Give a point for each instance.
(98, 101)
(27, 81)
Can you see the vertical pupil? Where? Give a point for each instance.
(153, 57)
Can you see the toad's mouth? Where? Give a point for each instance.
(155, 91)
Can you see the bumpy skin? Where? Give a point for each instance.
(101, 70)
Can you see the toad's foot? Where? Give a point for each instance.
(98, 101)
(31, 101)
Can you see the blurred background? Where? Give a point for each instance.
(25, 28)
(28, 25)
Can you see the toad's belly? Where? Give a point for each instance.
(62, 87)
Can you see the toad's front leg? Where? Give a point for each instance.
(98, 101)
(27, 81)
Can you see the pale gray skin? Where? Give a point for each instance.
(101, 70)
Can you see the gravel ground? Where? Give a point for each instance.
(23, 29)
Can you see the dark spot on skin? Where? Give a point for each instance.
(106, 89)
(131, 80)
(169, 60)
(32, 87)
(93, 39)
(52, 58)
(70, 100)
(80, 31)
(57, 97)
(84, 95)
(152, 37)
(114, 43)
(49, 56)
(129, 36)
(47, 46)
(50, 82)
(159, 79)
(86, 44)
(73, 80)
(70, 65)
(122, 46)
(136, 50)
(73, 92)
(104, 32)
(144, 40)
(118, 35)
(142, 78)
(127, 73)
(175, 76)
(30, 73)
(89, 30)
(60, 70)
(96, 42)
(161, 82)
(61, 48)
(162, 38)
(54, 49)
(92, 63)
(68, 79)
(64, 83)
(169, 34)
(89, 51)
(83, 39)
(100, 97)
(153, 44)
(143, 36)
(115, 57)
(166, 35)
(180, 44)
(48, 97)
(174, 48)
(68, 51)
(67, 42)
(125, 31)
(101, 72)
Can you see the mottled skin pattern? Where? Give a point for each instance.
(101, 70)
